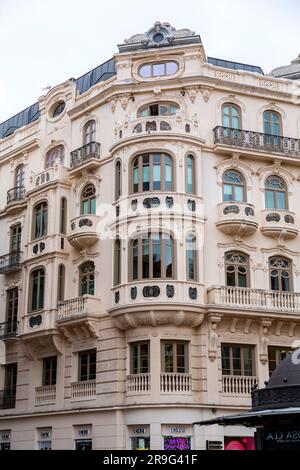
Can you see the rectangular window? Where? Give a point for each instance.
(145, 257)
(237, 359)
(135, 250)
(227, 191)
(140, 358)
(276, 354)
(156, 173)
(12, 310)
(146, 173)
(15, 238)
(87, 365)
(175, 357)
(270, 202)
(156, 253)
(49, 370)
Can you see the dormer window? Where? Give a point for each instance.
(58, 108)
(159, 69)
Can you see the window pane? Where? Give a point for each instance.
(45, 216)
(168, 172)
(172, 68)
(156, 248)
(134, 352)
(158, 70)
(37, 223)
(169, 363)
(169, 258)
(190, 176)
(34, 294)
(156, 173)
(145, 71)
(225, 360)
(135, 260)
(136, 177)
(41, 292)
(181, 358)
(248, 368)
(145, 257)
(144, 358)
(285, 283)
(239, 194)
(227, 192)
(230, 278)
(146, 179)
(236, 359)
(280, 197)
(270, 202)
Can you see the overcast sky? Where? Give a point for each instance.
(45, 42)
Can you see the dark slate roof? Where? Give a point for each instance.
(89, 79)
(228, 64)
(287, 373)
(291, 71)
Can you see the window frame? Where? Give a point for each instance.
(232, 106)
(118, 180)
(52, 361)
(271, 123)
(89, 132)
(88, 275)
(194, 189)
(154, 64)
(20, 176)
(88, 353)
(275, 191)
(41, 283)
(117, 262)
(15, 237)
(163, 165)
(236, 266)
(138, 344)
(43, 223)
(159, 104)
(289, 269)
(175, 355)
(61, 279)
(58, 152)
(195, 257)
(234, 185)
(63, 215)
(12, 309)
(242, 359)
(89, 199)
(277, 360)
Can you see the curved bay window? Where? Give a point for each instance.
(89, 132)
(158, 109)
(237, 269)
(152, 257)
(280, 274)
(40, 220)
(37, 289)
(233, 186)
(87, 279)
(191, 258)
(276, 193)
(231, 116)
(88, 200)
(57, 154)
(152, 172)
(190, 174)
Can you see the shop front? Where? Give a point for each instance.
(177, 437)
(139, 437)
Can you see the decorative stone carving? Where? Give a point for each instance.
(206, 92)
(213, 336)
(170, 291)
(193, 294)
(117, 297)
(85, 222)
(264, 339)
(35, 321)
(249, 211)
(169, 202)
(273, 217)
(134, 204)
(133, 293)
(151, 291)
(35, 248)
(289, 219)
(231, 210)
(191, 205)
(151, 202)
(192, 92)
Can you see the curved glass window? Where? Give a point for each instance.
(233, 186)
(280, 274)
(152, 257)
(231, 116)
(40, 220)
(158, 69)
(158, 109)
(87, 279)
(152, 172)
(37, 289)
(88, 200)
(55, 154)
(275, 193)
(191, 258)
(237, 269)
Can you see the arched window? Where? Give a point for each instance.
(63, 215)
(158, 69)
(87, 279)
(88, 200)
(152, 257)
(191, 258)
(280, 274)
(89, 132)
(158, 109)
(190, 174)
(57, 154)
(152, 172)
(237, 269)
(117, 265)
(233, 186)
(40, 220)
(118, 181)
(20, 176)
(37, 289)
(275, 193)
(61, 283)
(272, 123)
(231, 116)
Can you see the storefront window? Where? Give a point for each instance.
(83, 444)
(177, 443)
(140, 443)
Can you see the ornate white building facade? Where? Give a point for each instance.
(150, 261)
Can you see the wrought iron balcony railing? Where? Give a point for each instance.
(8, 398)
(10, 262)
(8, 329)
(16, 194)
(256, 141)
(83, 154)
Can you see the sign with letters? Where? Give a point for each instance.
(285, 438)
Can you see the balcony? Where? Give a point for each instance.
(79, 317)
(242, 298)
(8, 330)
(7, 398)
(16, 199)
(256, 141)
(83, 231)
(10, 262)
(278, 224)
(238, 385)
(83, 390)
(45, 395)
(49, 176)
(86, 157)
(237, 218)
(138, 383)
(175, 382)
(147, 303)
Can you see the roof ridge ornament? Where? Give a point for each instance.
(161, 34)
